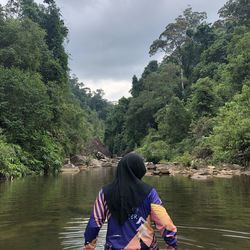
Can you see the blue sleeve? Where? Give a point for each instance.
(96, 220)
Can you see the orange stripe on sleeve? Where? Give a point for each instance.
(161, 218)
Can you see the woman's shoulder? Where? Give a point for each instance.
(154, 197)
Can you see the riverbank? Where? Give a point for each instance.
(203, 172)
(198, 171)
(80, 163)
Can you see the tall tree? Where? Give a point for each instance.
(136, 87)
(236, 11)
(173, 121)
(176, 34)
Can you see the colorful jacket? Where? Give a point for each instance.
(136, 232)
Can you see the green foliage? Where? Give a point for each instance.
(136, 87)
(22, 44)
(46, 152)
(173, 121)
(175, 34)
(24, 104)
(115, 136)
(44, 115)
(230, 139)
(192, 104)
(10, 163)
(237, 11)
(203, 100)
(184, 159)
(154, 149)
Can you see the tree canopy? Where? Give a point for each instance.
(194, 103)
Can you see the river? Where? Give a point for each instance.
(50, 213)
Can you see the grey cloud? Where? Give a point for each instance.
(111, 38)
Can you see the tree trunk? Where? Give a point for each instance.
(182, 82)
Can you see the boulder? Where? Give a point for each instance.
(100, 156)
(83, 167)
(197, 176)
(246, 173)
(95, 146)
(150, 166)
(156, 172)
(221, 175)
(69, 168)
(78, 160)
(95, 163)
(107, 164)
(164, 171)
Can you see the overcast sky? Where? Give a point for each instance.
(109, 39)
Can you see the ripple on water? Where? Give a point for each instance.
(217, 235)
(72, 234)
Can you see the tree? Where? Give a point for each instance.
(24, 105)
(173, 121)
(230, 139)
(176, 34)
(56, 32)
(236, 11)
(203, 100)
(22, 44)
(193, 48)
(10, 164)
(49, 19)
(136, 87)
(115, 134)
(150, 68)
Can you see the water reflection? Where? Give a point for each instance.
(51, 213)
(72, 234)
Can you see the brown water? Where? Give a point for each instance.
(51, 213)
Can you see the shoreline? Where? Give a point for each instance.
(195, 172)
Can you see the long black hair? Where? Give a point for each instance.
(127, 190)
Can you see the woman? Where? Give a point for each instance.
(130, 205)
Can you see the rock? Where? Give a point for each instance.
(78, 160)
(196, 176)
(100, 156)
(223, 176)
(156, 172)
(66, 161)
(164, 171)
(237, 172)
(237, 167)
(107, 164)
(69, 168)
(198, 163)
(150, 166)
(69, 165)
(95, 163)
(95, 146)
(211, 167)
(83, 167)
(246, 172)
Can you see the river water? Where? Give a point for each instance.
(50, 213)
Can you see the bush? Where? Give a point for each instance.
(155, 151)
(10, 163)
(185, 159)
(47, 153)
(230, 140)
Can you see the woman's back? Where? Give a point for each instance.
(129, 228)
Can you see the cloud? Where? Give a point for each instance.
(109, 39)
(112, 93)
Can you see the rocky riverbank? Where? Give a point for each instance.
(196, 172)
(79, 163)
